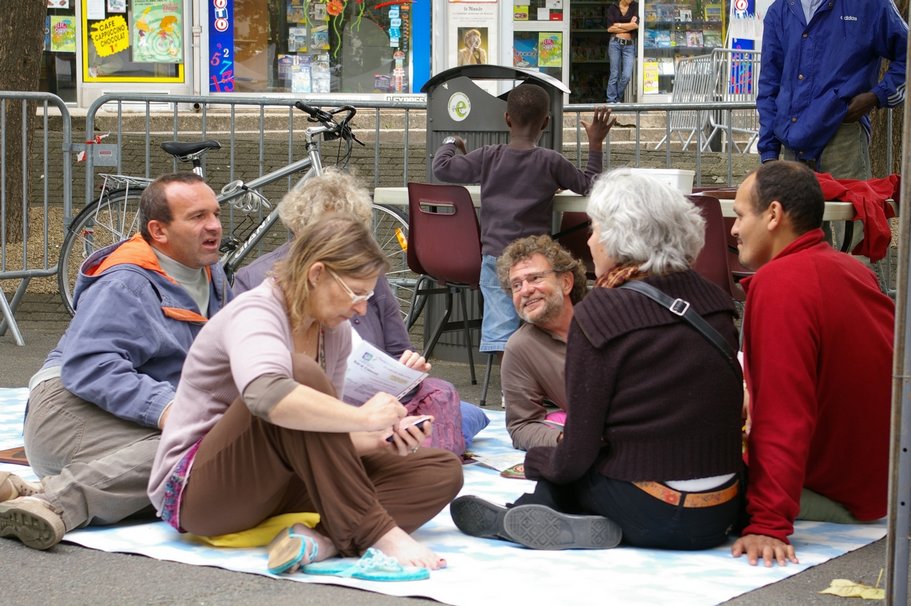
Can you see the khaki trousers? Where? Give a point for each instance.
(94, 466)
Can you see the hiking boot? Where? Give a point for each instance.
(12, 486)
(31, 520)
(540, 527)
(478, 518)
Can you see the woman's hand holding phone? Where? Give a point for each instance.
(410, 433)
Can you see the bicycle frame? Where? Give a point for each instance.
(232, 259)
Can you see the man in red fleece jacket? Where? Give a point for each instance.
(817, 342)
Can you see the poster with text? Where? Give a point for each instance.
(472, 34)
(156, 30)
(472, 37)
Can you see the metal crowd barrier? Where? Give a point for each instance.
(27, 246)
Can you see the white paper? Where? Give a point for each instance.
(543, 14)
(554, 4)
(371, 370)
(94, 10)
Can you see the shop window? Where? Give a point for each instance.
(133, 40)
(309, 46)
(58, 69)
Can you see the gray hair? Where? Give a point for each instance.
(331, 192)
(643, 221)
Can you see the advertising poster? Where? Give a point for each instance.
(650, 77)
(525, 50)
(741, 78)
(109, 36)
(550, 49)
(156, 29)
(221, 46)
(62, 32)
(472, 33)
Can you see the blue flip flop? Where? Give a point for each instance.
(288, 549)
(374, 565)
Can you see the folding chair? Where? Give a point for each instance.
(444, 246)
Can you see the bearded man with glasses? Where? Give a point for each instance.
(544, 281)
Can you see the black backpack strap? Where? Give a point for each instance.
(684, 310)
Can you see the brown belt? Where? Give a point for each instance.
(688, 499)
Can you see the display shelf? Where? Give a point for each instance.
(673, 30)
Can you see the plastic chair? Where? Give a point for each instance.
(738, 270)
(444, 246)
(573, 236)
(712, 262)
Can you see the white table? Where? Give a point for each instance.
(570, 202)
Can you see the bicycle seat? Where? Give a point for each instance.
(187, 150)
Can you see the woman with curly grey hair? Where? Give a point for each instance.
(651, 449)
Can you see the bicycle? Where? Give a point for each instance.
(114, 215)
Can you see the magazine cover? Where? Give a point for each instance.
(694, 39)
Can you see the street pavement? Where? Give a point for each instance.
(73, 575)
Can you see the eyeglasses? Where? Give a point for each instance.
(532, 279)
(355, 298)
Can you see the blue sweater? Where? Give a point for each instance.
(811, 72)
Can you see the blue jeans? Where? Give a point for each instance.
(500, 319)
(622, 57)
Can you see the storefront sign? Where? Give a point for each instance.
(221, 46)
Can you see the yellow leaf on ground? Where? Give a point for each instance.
(850, 589)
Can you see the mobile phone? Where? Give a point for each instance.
(415, 422)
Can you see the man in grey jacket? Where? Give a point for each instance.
(544, 281)
(97, 406)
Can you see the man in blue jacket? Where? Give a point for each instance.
(820, 79)
(97, 406)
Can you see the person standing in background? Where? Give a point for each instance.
(820, 79)
(622, 24)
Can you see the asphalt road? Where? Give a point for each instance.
(72, 575)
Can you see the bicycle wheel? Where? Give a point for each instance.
(108, 220)
(391, 232)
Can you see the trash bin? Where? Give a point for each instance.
(456, 105)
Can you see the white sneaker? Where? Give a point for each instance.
(31, 520)
(12, 486)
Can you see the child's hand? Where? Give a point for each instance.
(597, 129)
(460, 144)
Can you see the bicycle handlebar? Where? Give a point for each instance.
(334, 129)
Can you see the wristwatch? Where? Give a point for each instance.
(449, 139)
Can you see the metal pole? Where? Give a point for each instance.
(897, 539)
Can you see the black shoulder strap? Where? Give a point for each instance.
(682, 308)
